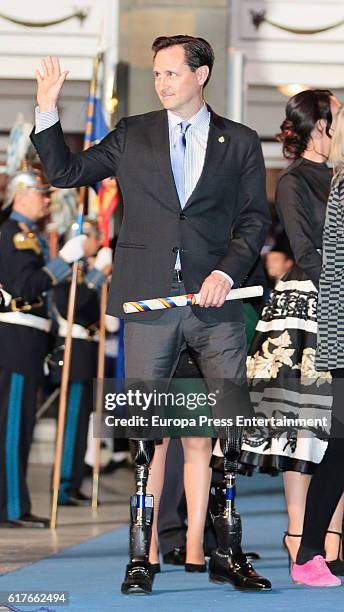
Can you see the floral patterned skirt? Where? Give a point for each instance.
(287, 392)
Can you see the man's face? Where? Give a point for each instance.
(178, 88)
(35, 204)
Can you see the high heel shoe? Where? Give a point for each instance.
(337, 565)
(290, 535)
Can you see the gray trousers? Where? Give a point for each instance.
(152, 348)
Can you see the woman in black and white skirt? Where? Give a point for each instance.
(281, 365)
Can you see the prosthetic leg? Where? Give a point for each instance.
(228, 563)
(139, 575)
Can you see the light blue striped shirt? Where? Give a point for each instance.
(196, 144)
(43, 121)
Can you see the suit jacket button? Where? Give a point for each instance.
(182, 217)
(175, 250)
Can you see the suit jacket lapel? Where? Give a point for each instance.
(217, 145)
(161, 147)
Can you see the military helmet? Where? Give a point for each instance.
(29, 178)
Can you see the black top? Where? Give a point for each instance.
(301, 200)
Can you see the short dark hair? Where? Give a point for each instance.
(302, 113)
(198, 52)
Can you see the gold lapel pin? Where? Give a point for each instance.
(221, 139)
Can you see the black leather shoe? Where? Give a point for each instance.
(155, 568)
(176, 556)
(236, 570)
(87, 471)
(253, 556)
(138, 579)
(27, 520)
(74, 497)
(112, 466)
(196, 567)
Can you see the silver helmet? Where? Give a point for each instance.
(25, 179)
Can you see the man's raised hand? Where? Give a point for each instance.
(50, 80)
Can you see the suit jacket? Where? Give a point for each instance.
(222, 225)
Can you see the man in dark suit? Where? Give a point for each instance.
(193, 187)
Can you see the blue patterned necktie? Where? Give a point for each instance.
(178, 161)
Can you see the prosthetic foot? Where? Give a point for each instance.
(228, 563)
(139, 575)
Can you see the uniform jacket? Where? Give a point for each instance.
(84, 356)
(22, 276)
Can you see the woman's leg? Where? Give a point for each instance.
(333, 542)
(197, 475)
(154, 487)
(295, 490)
(327, 484)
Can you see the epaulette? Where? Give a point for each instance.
(24, 241)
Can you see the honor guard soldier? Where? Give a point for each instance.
(84, 358)
(25, 278)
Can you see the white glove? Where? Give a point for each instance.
(104, 258)
(74, 249)
(111, 324)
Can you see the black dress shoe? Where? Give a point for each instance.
(138, 579)
(74, 497)
(236, 570)
(87, 471)
(196, 567)
(253, 556)
(112, 466)
(176, 556)
(155, 568)
(27, 520)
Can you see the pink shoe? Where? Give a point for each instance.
(314, 573)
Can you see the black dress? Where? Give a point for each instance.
(281, 363)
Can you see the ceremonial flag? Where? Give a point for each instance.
(108, 200)
(96, 127)
(105, 202)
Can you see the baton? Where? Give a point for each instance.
(190, 299)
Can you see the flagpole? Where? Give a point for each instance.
(64, 386)
(70, 318)
(104, 222)
(99, 394)
(90, 114)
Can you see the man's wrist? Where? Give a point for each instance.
(229, 278)
(45, 119)
(46, 108)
